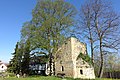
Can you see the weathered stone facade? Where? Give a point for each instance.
(67, 62)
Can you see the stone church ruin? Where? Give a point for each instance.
(68, 63)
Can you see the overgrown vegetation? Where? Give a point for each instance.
(85, 57)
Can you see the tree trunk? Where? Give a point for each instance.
(110, 74)
(50, 62)
(102, 61)
(54, 67)
(92, 54)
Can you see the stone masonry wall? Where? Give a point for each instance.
(64, 58)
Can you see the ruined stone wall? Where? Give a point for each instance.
(64, 58)
(87, 73)
(77, 48)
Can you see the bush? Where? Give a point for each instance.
(11, 74)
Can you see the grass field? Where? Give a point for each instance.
(32, 78)
(46, 78)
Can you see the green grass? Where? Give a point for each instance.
(45, 78)
(106, 79)
(32, 78)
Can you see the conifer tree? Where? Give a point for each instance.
(15, 63)
(26, 58)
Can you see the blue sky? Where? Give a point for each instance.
(13, 13)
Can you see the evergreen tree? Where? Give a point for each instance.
(15, 63)
(26, 58)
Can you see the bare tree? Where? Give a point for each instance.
(110, 63)
(85, 25)
(101, 23)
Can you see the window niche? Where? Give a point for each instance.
(62, 68)
(2, 66)
(81, 72)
